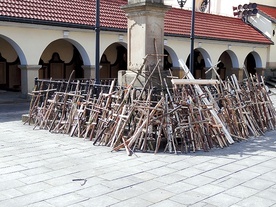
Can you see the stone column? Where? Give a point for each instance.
(239, 73)
(28, 75)
(89, 71)
(260, 71)
(145, 33)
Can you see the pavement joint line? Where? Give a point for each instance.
(257, 153)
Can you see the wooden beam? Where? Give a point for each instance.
(195, 81)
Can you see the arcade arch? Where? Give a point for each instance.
(201, 57)
(59, 59)
(113, 59)
(227, 61)
(252, 62)
(11, 57)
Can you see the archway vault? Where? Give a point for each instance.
(258, 60)
(17, 48)
(82, 51)
(206, 57)
(11, 57)
(113, 59)
(227, 61)
(60, 58)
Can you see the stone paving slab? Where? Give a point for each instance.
(37, 168)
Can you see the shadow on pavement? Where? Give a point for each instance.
(252, 146)
(13, 111)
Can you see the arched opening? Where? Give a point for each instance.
(200, 56)
(59, 60)
(250, 64)
(171, 62)
(167, 60)
(113, 59)
(10, 73)
(225, 65)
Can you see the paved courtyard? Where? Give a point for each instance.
(38, 168)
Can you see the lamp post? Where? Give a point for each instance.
(192, 39)
(97, 51)
(192, 35)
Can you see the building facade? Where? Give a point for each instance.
(54, 39)
(264, 20)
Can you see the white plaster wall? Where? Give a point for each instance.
(266, 2)
(263, 24)
(180, 46)
(30, 41)
(266, 27)
(221, 7)
(225, 7)
(58, 46)
(34, 41)
(107, 39)
(272, 51)
(215, 48)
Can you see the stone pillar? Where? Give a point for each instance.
(145, 32)
(89, 71)
(239, 73)
(260, 71)
(210, 75)
(28, 75)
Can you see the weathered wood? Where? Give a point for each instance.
(206, 101)
(194, 81)
(194, 115)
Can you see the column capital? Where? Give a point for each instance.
(260, 71)
(144, 8)
(29, 67)
(89, 71)
(88, 67)
(239, 72)
(237, 68)
(260, 68)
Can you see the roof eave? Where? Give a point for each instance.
(57, 24)
(82, 26)
(45, 22)
(111, 29)
(220, 39)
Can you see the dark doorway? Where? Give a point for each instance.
(109, 70)
(250, 64)
(199, 65)
(10, 75)
(56, 68)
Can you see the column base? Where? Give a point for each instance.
(125, 77)
(89, 71)
(28, 75)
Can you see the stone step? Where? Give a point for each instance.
(25, 118)
(271, 83)
(273, 79)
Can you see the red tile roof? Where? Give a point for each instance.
(269, 11)
(81, 13)
(210, 26)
